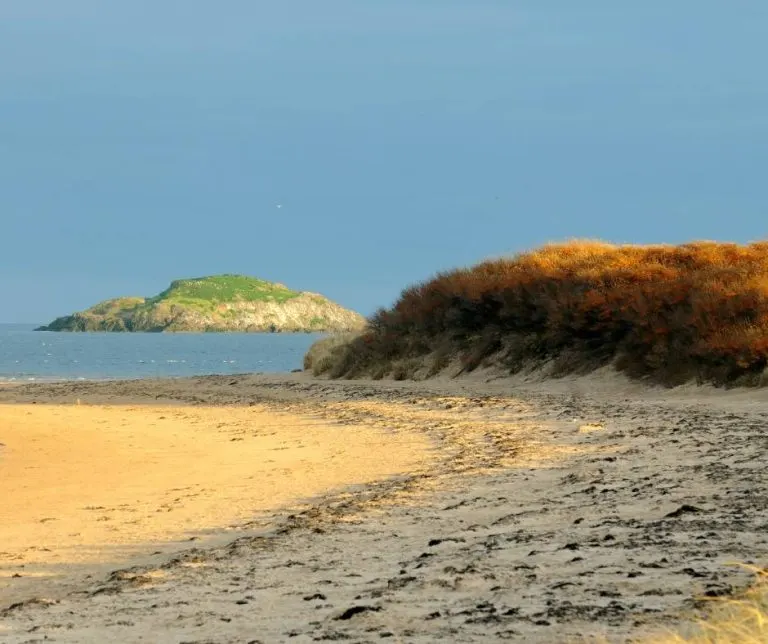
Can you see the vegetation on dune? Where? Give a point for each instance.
(321, 355)
(671, 313)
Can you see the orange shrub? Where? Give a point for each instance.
(698, 310)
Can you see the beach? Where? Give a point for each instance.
(275, 508)
(87, 487)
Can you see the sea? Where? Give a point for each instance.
(27, 355)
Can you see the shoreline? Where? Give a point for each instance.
(527, 526)
(45, 380)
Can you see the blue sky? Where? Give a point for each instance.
(145, 141)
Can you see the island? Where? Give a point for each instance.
(218, 303)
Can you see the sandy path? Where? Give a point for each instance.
(550, 511)
(88, 488)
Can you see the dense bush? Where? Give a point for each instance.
(674, 313)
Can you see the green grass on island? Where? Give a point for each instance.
(215, 303)
(117, 305)
(205, 293)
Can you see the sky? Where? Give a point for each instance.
(354, 147)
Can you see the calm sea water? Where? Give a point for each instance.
(27, 355)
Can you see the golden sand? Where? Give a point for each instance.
(104, 484)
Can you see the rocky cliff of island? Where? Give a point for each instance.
(223, 303)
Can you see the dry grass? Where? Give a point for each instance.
(671, 313)
(739, 620)
(322, 354)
